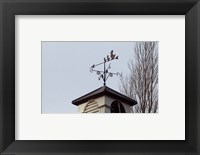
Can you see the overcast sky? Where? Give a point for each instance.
(66, 71)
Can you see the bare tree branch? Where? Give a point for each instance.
(142, 82)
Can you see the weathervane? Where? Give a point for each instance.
(105, 74)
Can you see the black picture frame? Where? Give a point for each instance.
(10, 8)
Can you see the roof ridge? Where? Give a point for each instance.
(118, 92)
(89, 93)
(103, 90)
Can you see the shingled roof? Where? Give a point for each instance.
(104, 91)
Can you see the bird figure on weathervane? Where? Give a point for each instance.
(105, 74)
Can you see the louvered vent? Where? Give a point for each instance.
(91, 107)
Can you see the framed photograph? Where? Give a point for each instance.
(63, 86)
(99, 77)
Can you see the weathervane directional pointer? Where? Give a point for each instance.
(105, 74)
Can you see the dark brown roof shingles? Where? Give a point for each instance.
(104, 91)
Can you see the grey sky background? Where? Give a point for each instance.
(66, 71)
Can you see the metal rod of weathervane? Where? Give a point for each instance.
(105, 74)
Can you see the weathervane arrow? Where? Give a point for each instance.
(105, 74)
